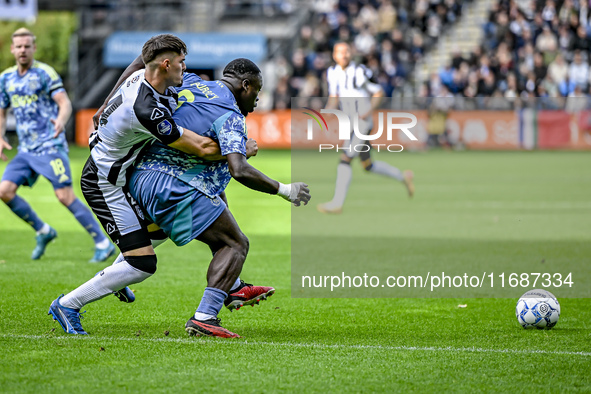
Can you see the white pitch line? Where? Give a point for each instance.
(195, 341)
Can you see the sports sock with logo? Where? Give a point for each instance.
(236, 285)
(85, 218)
(23, 210)
(112, 278)
(383, 168)
(211, 303)
(344, 175)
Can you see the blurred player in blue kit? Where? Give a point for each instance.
(42, 108)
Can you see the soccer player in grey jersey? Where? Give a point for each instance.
(349, 82)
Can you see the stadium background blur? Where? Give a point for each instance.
(492, 55)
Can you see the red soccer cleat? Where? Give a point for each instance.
(210, 327)
(247, 294)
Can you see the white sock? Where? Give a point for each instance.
(383, 168)
(119, 259)
(112, 278)
(236, 285)
(203, 316)
(344, 174)
(103, 244)
(155, 244)
(44, 229)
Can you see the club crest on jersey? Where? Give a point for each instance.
(164, 127)
(156, 114)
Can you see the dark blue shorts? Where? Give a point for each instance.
(180, 210)
(25, 168)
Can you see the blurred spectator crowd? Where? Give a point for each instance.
(533, 51)
(388, 36)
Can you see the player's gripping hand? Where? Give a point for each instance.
(4, 145)
(251, 148)
(296, 193)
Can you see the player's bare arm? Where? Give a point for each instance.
(64, 113)
(254, 179)
(376, 98)
(3, 143)
(136, 65)
(197, 145)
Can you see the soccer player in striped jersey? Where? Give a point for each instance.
(350, 86)
(139, 113)
(42, 108)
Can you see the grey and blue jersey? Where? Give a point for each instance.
(31, 98)
(209, 109)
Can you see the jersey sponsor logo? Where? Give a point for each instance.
(156, 114)
(18, 100)
(63, 178)
(164, 127)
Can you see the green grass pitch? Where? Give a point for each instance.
(313, 344)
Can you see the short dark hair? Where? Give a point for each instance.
(160, 44)
(241, 68)
(23, 32)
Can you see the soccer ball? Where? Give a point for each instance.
(537, 308)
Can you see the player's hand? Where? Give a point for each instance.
(97, 116)
(251, 148)
(296, 193)
(4, 145)
(58, 127)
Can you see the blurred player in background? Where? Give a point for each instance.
(42, 108)
(358, 95)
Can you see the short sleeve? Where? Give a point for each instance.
(332, 82)
(360, 76)
(232, 134)
(52, 83)
(155, 117)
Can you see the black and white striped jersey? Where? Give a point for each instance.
(351, 84)
(136, 115)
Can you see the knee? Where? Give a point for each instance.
(145, 263)
(7, 192)
(367, 166)
(65, 196)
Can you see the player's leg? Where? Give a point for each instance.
(117, 215)
(343, 180)
(230, 247)
(157, 238)
(385, 169)
(56, 168)
(20, 172)
(344, 172)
